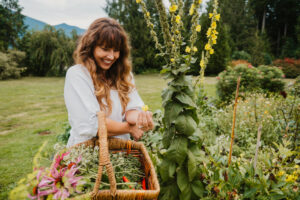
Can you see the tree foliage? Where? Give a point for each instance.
(11, 23)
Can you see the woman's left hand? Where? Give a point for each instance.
(145, 121)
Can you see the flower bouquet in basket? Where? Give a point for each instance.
(100, 168)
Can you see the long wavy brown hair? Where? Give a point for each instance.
(108, 33)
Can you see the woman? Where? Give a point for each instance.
(102, 80)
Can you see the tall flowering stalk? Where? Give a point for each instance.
(180, 166)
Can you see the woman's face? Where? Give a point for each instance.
(105, 57)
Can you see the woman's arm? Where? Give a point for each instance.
(141, 119)
(118, 128)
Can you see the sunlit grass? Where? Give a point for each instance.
(31, 105)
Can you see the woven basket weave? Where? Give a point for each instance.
(116, 145)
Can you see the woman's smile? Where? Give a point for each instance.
(105, 57)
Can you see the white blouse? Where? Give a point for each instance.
(82, 105)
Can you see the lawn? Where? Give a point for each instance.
(32, 105)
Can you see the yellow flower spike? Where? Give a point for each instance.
(178, 19)
(177, 31)
(138, 1)
(211, 15)
(195, 49)
(291, 178)
(145, 108)
(214, 37)
(202, 63)
(172, 60)
(211, 51)
(207, 47)
(218, 17)
(188, 49)
(198, 28)
(214, 25)
(192, 9)
(296, 166)
(199, 1)
(148, 14)
(214, 41)
(172, 39)
(208, 33)
(173, 8)
(215, 32)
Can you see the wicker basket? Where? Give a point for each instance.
(117, 145)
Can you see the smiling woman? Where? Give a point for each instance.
(102, 80)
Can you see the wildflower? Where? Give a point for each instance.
(198, 28)
(145, 107)
(266, 112)
(296, 166)
(172, 60)
(173, 8)
(218, 17)
(280, 173)
(188, 49)
(138, 1)
(38, 191)
(215, 32)
(214, 37)
(172, 39)
(250, 66)
(291, 178)
(207, 47)
(195, 49)
(211, 51)
(59, 159)
(214, 41)
(218, 78)
(199, 1)
(214, 25)
(208, 33)
(210, 15)
(178, 19)
(177, 32)
(192, 9)
(148, 14)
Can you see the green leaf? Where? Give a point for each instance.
(167, 94)
(169, 192)
(192, 166)
(172, 169)
(250, 193)
(185, 124)
(177, 151)
(164, 169)
(198, 188)
(186, 194)
(172, 110)
(185, 99)
(182, 180)
(165, 70)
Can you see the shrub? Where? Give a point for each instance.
(265, 78)
(241, 55)
(271, 79)
(9, 64)
(289, 66)
(226, 85)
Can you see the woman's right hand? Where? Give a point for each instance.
(135, 132)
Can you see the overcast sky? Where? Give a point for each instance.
(79, 13)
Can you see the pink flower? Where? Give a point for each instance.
(39, 191)
(58, 160)
(250, 66)
(283, 76)
(218, 78)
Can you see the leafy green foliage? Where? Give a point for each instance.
(265, 78)
(10, 64)
(289, 66)
(12, 25)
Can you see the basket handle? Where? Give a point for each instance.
(104, 159)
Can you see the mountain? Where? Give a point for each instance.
(34, 24)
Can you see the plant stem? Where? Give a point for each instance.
(257, 145)
(234, 116)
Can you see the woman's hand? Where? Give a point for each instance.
(145, 121)
(135, 132)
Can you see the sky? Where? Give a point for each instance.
(80, 13)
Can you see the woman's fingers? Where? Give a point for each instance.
(150, 120)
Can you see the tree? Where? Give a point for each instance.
(131, 18)
(11, 23)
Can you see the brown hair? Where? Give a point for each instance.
(109, 33)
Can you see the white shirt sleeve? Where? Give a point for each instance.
(82, 105)
(135, 102)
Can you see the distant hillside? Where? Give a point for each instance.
(34, 24)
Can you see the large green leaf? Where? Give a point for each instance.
(192, 166)
(170, 192)
(164, 169)
(177, 151)
(182, 179)
(172, 110)
(186, 194)
(172, 169)
(198, 188)
(185, 99)
(167, 94)
(185, 124)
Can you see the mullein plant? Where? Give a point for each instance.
(181, 156)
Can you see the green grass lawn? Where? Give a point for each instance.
(31, 105)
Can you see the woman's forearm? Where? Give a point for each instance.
(131, 116)
(117, 128)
